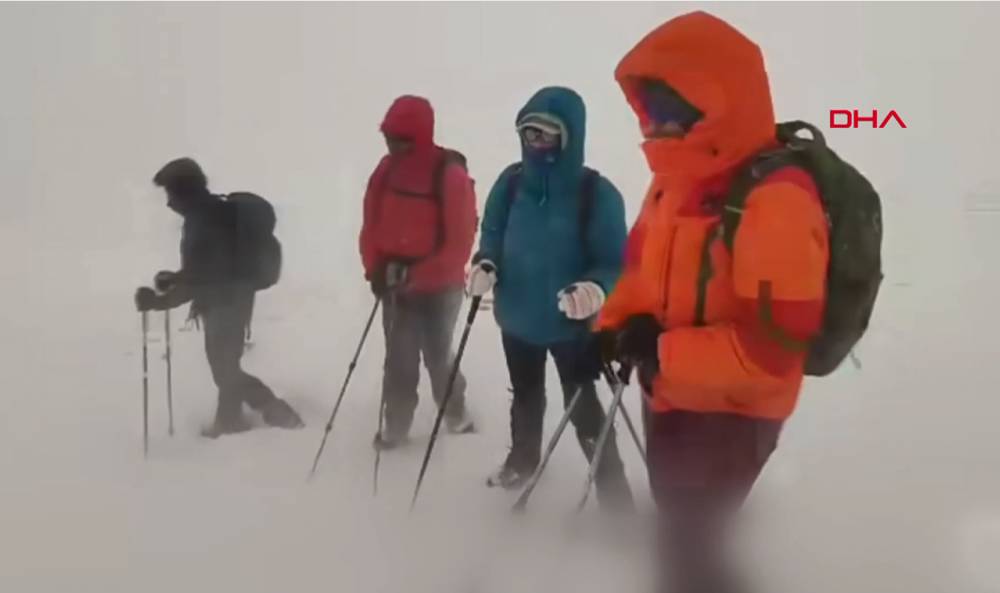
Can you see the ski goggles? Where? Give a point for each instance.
(536, 135)
(663, 105)
(542, 129)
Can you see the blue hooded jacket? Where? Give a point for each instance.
(535, 238)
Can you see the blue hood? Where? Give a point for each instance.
(565, 174)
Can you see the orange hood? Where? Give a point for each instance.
(719, 71)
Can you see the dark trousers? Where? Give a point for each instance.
(526, 365)
(416, 324)
(225, 324)
(701, 468)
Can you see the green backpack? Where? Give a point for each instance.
(854, 214)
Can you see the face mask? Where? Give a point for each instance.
(398, 145)
(541, 146)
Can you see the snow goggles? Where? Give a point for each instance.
(536, 135)
(663, 105)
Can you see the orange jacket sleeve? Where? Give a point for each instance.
(368, 246)
(780, 255)
(459, 226)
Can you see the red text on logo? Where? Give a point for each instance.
(844, 118)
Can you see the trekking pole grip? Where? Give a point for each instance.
(625, 373)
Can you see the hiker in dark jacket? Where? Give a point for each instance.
(553, 238)
(220, 296)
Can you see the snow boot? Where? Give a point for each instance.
(507, 478)
(614, 494)
(461, 425)
(233, 424)
(278, 413)
(510, 476)
(387, 441)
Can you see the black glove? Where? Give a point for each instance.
(164, 280)
(146, 298)
(637, 344)
(377, 283)
(391, 276)
(606, 343)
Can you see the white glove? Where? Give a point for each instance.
(581, 300)
(482, 278)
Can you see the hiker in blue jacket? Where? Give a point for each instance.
(552, 243)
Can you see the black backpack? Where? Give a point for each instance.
(258, 251)
(854, 214)
(588, 190)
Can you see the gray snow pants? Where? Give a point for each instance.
(415, 325)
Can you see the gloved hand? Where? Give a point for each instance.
(637, 343)
(581, 300)
(391, 276)
(164, 280)
(146, 299)
(606, 343)
(482, 278)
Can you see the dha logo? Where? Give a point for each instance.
(844, 118)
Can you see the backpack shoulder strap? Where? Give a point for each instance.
(447, 158)
(588, 195)
(744, 183)
(437, 177)
(794, 151)
(746, 180)
(513, 175)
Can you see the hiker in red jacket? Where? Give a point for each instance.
(419, 225)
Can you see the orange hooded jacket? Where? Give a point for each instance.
(731, 362)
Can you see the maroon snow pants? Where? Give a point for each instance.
(701, 468)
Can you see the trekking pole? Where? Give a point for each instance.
(381, 405)
(145, 383)
(378, 448)
(633, 432)
(343, 388)
(170, 386)
(602, 439)
(609, 375)
(522, 500)
(447, 396)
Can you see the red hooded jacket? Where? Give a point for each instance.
(403, 219)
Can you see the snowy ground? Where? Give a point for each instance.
(886, 480)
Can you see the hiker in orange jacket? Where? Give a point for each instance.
(708, 329)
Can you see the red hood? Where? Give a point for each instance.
(411, 117)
